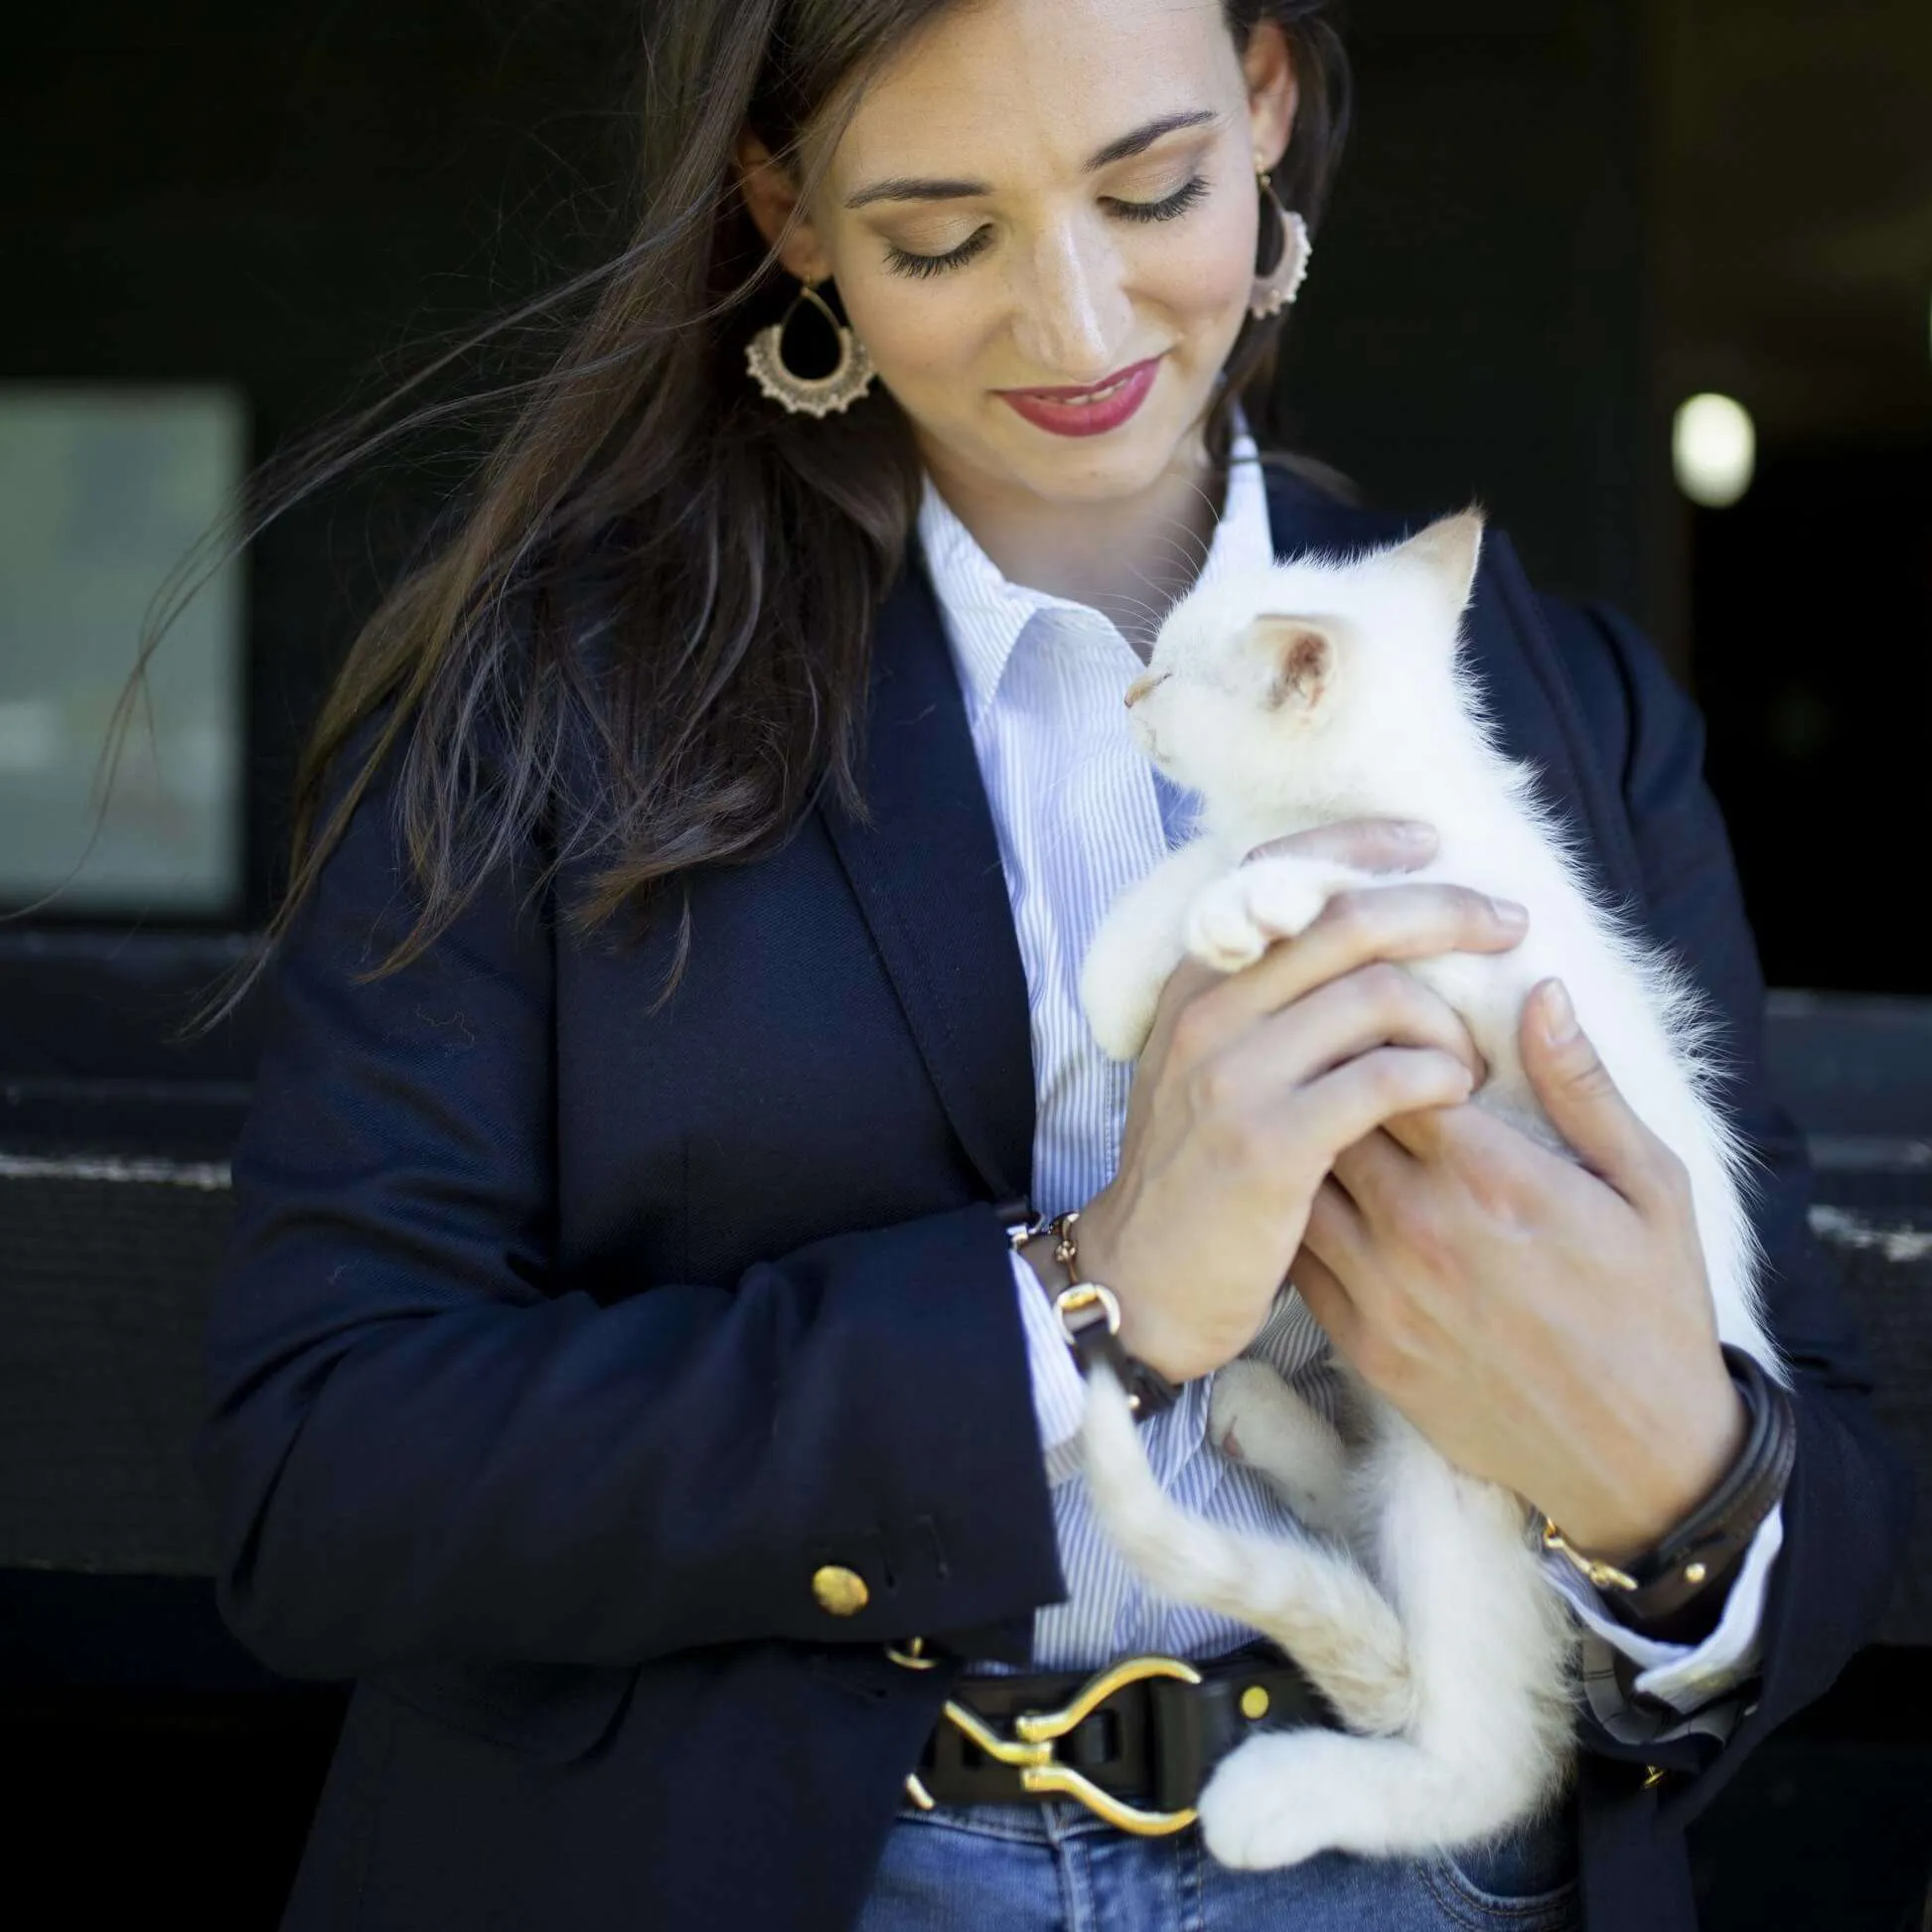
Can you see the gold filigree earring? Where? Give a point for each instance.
(1282, 255)
(809, 396)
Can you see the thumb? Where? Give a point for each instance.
(1584, 1103)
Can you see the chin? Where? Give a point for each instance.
(1096, 469)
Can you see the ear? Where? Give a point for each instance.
(1268, 67)
(1449, 549)
(1303, 659)
(771, 191)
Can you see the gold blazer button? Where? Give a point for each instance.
(839, 1591)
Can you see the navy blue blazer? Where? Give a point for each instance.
(559, 1342)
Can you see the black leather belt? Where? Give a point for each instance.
(1134, 1744)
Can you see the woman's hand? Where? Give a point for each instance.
(1546, 1326)
(1252, 1083)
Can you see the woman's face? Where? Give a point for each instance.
(1051, 195)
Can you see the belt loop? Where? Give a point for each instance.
(1179, 1754)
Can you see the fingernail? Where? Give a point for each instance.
(1509, 913)
(1558, 1015)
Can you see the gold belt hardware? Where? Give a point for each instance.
(1030, 1750)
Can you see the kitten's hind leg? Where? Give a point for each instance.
(1284, 1795)
(1310, 1597)
(1257, 1418)
(1231, 922)
(1490, 1646)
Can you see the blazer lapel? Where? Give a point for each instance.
(929, 880)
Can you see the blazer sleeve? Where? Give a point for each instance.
(423, 1445)
(1848, 1504)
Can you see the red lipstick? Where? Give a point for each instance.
(1091, 409)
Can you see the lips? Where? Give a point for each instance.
(1091, 409)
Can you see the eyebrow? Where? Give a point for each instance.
(906, 189)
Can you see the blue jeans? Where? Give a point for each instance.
(1056, 1868)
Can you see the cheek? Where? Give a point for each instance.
(1202, 270)
(917, 332)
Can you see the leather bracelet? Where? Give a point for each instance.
(1090, 1318)
(1702, 1549)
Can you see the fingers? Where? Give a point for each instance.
(1390, 922)
(1377, 1005)
(1186, 982)
(1339, 1109)
(1376, 924)
(1438, 1134)
(1586, 1105)
(1366, 844)
(1328, 1302)
(1336, 1232)
(1375, 1169)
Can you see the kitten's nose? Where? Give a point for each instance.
(1143, 685)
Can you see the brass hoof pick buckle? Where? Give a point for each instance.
(1030, 1750)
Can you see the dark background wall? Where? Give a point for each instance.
(307, 203)
(1791, 240)
(1557, 218)
(1476, 321)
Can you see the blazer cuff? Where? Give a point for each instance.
(1688, 1676)
(1059, 1391)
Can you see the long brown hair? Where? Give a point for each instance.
(654, 563)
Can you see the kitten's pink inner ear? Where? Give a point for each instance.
(1304, 662)
(1450, 548)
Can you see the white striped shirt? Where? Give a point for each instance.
(1080, 814)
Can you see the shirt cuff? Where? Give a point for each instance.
(1688, 1676)
(1059, 1391)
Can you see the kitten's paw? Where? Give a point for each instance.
(1232, 920)
(1286, 895)
(1253, 1417)
(1243, 1391)
(1222, 931)
(1269, 1805)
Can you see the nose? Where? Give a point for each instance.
(1143, 685)
(1076, 317)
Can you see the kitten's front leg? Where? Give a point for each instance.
(1233, 919)
(1138, 946)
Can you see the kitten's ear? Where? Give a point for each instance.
(1450, 549)
(1302, 656)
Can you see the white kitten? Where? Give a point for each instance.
(1323, 690)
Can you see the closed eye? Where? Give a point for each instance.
(902, 261)
(1170, 207)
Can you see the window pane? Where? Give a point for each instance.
(101, 493)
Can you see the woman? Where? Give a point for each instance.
(621, 1369)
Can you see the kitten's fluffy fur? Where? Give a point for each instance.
(1317, 690)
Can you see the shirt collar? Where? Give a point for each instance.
(985, 614)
